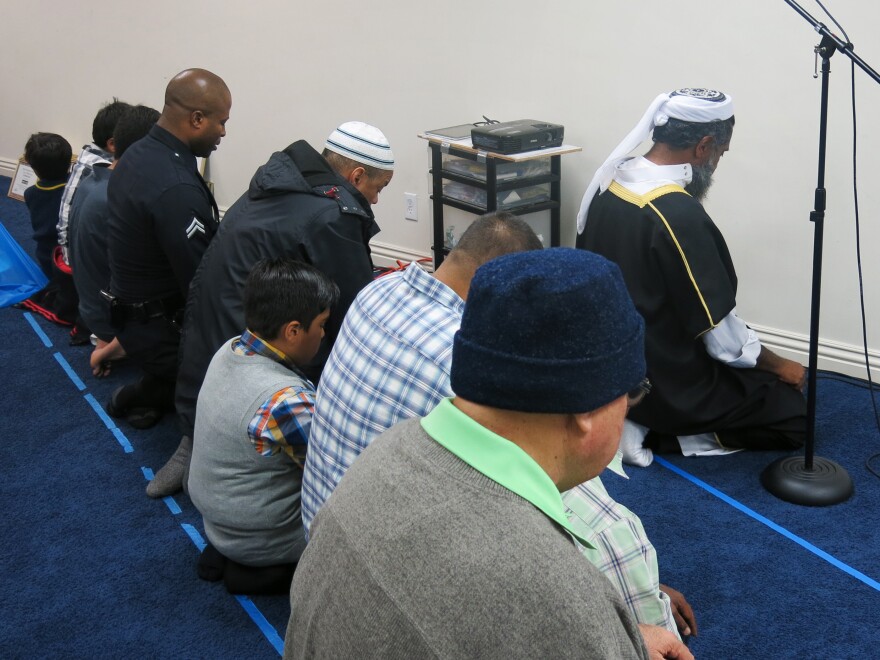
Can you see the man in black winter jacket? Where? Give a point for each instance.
(301, 204)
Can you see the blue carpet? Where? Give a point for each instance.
(93, 568)
(763, 592)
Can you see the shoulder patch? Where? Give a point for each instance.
(195, 227)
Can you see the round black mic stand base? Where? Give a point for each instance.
(825, 484)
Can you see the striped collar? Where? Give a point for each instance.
(252, 344)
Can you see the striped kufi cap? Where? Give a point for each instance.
(362, 143)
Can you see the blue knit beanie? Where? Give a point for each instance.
(548, 331)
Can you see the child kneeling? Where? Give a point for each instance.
(252, 426)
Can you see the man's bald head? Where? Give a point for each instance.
(193, 89)
(197, 105)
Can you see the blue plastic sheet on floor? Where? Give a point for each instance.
(20, 277)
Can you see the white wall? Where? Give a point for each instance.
(297, 69)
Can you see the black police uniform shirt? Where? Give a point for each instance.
(162, 217)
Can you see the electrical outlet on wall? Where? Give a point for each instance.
(410, 206)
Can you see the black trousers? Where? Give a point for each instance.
(153, 346)
(241, 579)
(775, 420)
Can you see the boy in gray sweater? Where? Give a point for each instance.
(252, 425)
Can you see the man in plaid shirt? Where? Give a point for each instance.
(391, 359)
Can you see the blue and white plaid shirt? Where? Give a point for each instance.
(390, 362)
(90, 156)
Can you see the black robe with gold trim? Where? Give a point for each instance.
(680, 275)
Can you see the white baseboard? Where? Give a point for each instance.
(7, 167)
(848, 359)
(836, 356)
(384, 254)
(387, 255)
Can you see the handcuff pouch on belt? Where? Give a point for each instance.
(121, 313)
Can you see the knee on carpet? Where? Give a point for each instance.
(245, 580)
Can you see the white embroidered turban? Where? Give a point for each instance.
(692, 104)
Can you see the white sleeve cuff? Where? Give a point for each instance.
(733, 342)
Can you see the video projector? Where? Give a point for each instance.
(512, 137)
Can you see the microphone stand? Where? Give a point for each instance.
(811, 480)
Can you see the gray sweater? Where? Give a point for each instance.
(416, 554)
(250, 503)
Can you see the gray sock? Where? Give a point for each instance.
(169, 480)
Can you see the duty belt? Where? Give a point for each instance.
(123, 312)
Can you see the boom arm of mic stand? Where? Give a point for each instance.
(839, 44)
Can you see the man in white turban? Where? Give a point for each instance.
(716, 389)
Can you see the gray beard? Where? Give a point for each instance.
(700, 183)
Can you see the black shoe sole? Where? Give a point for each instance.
(113, 409)
(143, 418)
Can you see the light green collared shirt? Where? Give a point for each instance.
(499, 459)
(617, 545)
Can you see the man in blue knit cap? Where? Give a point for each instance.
(448, 536)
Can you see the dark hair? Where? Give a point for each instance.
(342, 164)
(278, 291)
(105, 121)
(49, 155)
(680, 134)
(132, 126)
(494, 234)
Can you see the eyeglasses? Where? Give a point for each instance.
(634, 396)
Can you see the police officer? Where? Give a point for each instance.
(162, 217)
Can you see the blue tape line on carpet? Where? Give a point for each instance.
(170, 502)
(70, 372)
(769, 523)
(122, 440)
(258, 618)
(194, 535)
(42, 335)
(109, 423)
(172, 505)
(93, 402)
